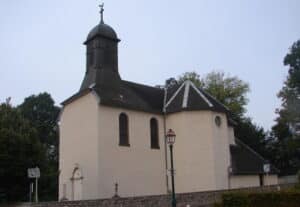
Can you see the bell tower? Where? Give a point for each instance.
(101, 57)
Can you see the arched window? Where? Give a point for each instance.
(154, 134)
(123, 130)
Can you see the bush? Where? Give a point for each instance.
(218, 205)
(271, 199)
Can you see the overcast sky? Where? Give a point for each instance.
(41, 44)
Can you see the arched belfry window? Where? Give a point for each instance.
(123, 130)
(154, 133)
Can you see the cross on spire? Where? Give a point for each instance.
(101, 12)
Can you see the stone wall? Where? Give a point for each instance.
(199, 199)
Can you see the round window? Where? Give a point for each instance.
(218, 120)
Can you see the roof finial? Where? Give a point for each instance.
(101, 12)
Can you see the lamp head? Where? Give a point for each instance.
(170, 137)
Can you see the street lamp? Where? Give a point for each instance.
(170, 136)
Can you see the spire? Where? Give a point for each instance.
(101, 12)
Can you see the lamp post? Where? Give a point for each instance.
(171, 140)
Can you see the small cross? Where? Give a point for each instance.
(101, 11)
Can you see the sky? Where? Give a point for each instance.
(41, 44)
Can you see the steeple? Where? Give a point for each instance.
(101, 57)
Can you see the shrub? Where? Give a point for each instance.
(218, 205)
(271, 199)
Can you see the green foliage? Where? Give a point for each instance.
(286, 143)
(235, 200)
(42, 115)
(229, 90)
(218, 205)
(252, 135)
(192, 76)
(28, 138)
(292, 60)
(274, 199)
(20, 149)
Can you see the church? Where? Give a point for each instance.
(113, 135)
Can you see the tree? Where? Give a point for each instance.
(286, 143)
(192, 76)
(253, 135)
(292, 60)
(42, 114)
(20, 149)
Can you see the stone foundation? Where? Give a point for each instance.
(199, 199)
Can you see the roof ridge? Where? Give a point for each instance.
(131, 82)
(174, 95)
(186, 94)
(165, 99)
(208, 94)
(201, 94)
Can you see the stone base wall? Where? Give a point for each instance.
(205, 199)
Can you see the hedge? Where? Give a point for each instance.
(267, 199)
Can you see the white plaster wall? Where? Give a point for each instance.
(221, 151)
(270, 179)
(193, 151)
(288, 179)
(243, 181)
(89, 136)
(79, 145)
(138, 169)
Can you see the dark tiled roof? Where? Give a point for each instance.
(245, 161)
(187, 97)
(103, 30)
(130, 95)
(134, 96)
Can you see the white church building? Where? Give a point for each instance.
(113, 131)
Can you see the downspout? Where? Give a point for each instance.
(165, 142)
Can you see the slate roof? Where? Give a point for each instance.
(102, 30)
(245, 161)
(130, 95)
(134, 96)
(187, 97)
